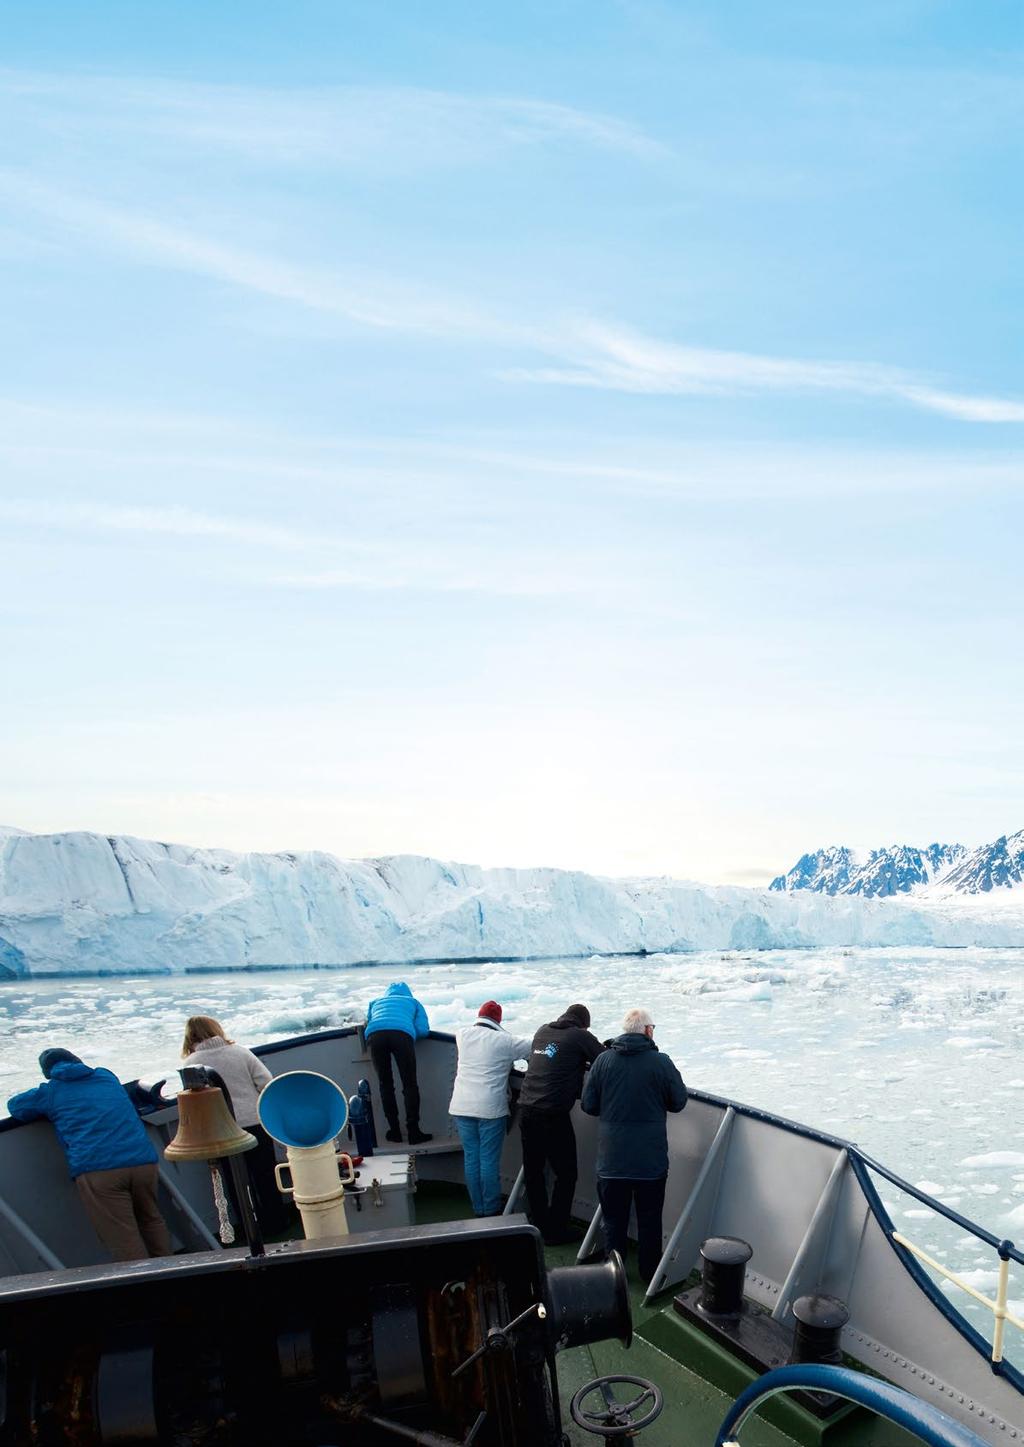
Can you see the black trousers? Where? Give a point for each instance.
(616, 1197)
(548, 1140)
(385, 1046)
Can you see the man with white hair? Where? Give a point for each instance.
(630, 1088)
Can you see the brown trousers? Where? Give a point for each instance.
(122, 1206)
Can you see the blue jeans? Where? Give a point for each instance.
(482, 1142)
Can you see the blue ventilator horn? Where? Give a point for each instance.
(305, 1111)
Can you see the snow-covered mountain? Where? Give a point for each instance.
(876, 874)
(92, 903)
(934, 872)
(993, 866)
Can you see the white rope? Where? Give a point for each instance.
(225, 1230)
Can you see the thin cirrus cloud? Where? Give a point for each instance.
(615, 359)
(176, 522)
(584, 354)
(400, 126)
(353, 563)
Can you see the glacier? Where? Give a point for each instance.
(89, 903)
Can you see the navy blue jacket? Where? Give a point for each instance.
(397, 1010)
(630, 1088)
(95, 1121)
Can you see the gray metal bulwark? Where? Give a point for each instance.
(695, 1221)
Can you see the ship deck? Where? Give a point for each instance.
(699, 1382)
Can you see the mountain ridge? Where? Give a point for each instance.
(934, 871)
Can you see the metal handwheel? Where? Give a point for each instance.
(617, 1419)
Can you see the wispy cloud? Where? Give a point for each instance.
(589, 354)
(175, 522)
(967, 409)
(398, 126)
(617, 360)
(363, 299)
(330, 562)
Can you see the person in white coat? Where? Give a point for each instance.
(479, 1103)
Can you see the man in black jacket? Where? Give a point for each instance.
(560, 1055)
(631, 1089)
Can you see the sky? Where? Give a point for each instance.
(572, 433)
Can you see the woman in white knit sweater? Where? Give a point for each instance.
(245, 1076)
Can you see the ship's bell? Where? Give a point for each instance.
(206, 1128)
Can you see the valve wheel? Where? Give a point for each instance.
(617, 1419)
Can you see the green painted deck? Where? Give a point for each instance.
(698, 1382)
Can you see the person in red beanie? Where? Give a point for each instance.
(479, 1103)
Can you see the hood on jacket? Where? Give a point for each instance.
(398, 988)
(71, 1070)
(56, 1055)
(576, 1015)
(631, 1044)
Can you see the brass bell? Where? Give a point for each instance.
(206, 1128)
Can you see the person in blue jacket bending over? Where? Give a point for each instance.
(111, 1158)
(393, 1025)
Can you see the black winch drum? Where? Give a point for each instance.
(724, 1262)
(589, 1303)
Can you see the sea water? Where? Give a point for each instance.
(915, 1055)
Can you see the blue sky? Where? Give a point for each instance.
(573, 433)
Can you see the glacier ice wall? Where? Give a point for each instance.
(82, 902)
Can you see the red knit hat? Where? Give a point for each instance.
(491, 1010)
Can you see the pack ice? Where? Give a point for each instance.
(83, 902)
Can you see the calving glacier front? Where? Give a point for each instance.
(87, 902)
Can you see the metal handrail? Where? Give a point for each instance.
(998, 1307)
(885, 1400)
(1006, 1249)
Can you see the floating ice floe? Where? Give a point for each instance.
(981, 1280)
(994, 1158)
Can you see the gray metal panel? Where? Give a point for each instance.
(772, 1182)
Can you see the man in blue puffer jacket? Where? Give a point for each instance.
(111, 1158)
(393, 1025)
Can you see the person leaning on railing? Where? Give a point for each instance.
(394, 1022)
(479, 1103)
(560, 1054)
(631, 1088)
(112, 1160)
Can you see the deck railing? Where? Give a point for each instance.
(1005, 1251)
